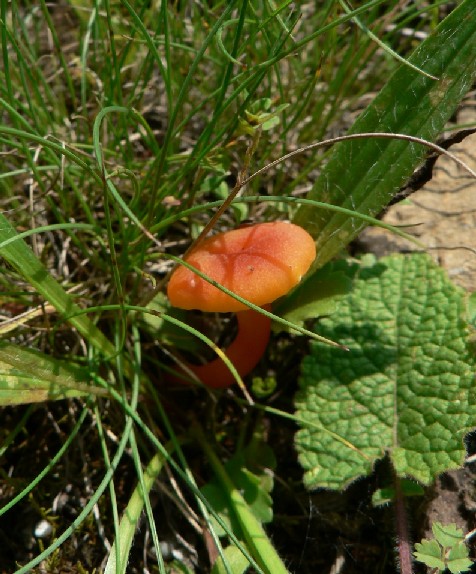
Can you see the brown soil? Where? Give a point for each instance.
(442, 215)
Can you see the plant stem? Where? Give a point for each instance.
(403, 536)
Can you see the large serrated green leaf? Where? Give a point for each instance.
(406, 385)
(364, 174)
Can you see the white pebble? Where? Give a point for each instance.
(43, 529)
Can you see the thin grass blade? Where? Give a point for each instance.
(24, 261)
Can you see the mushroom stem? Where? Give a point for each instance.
(244, 352)
(259, 263)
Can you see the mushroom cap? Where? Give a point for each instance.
(259, 263)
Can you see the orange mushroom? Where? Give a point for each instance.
(259, 263)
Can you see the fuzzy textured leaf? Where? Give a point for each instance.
(405, 387)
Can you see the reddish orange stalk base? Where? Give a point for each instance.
(244, 352)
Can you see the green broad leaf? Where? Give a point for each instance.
(27, 376)
(236, 561)
(405, 387)
(254, 483)
(317, 295)
(447, 534)
(364, 174)
(429, 552)
(251, 530)
(446, 550)
(219, 501)
(387, 495)
(457, 560)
